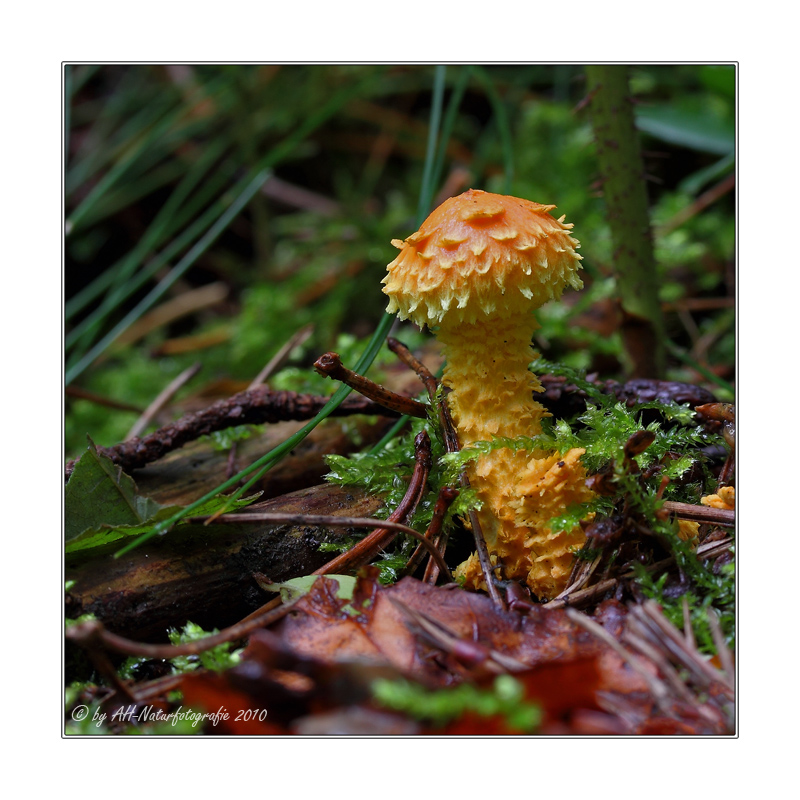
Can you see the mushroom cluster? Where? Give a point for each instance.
(473, 273)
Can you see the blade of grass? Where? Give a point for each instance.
(110, 128)
(134, 102)
(207, 240)
(500, 117)
(426, 191)
(120, 167)
(390, 434)
(681, 355)
(186, 239)
(147, 175)
(165, 223)
(449, 122)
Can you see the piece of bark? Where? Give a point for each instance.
(204, 574)
(186, 475)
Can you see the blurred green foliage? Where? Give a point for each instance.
(155, 154)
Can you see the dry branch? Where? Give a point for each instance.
(251, 407)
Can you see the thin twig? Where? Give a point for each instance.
(162, 399)
(722, 646)
(657, 688)
(580, 577)
(108, 402)
(433, 537)
(696, 513)
(87, 634)
(439, 535)
(582, 596)
(407, 357)
(187, 302)
(710, 550)
(706, 199)
(369, 547)
(330, 365)
(280, 358)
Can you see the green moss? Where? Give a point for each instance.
(505, 698)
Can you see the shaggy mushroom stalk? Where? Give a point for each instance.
(473, 273)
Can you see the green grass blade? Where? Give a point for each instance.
(165, 223)
(177, 271)
(426, 191)
(117, 171)
(449, 122)
(684, 357)
(500, 117)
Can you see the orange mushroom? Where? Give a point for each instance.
(477, 267)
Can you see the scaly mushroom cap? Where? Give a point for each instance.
(479, 254)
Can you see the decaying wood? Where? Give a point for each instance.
(563, 399)
(198, 468)
(204, 574)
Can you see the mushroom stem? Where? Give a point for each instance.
(492, 394)
(491, 385)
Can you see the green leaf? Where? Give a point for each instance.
(100, 495)
(102, 504)
(689, 128)
(297, 587)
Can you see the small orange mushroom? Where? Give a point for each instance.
(475, 270)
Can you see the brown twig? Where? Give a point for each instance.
(657, 687)
(279, 359)
(162, 399)
(463, 649)
(371, 545)
(579, 577)
(108, 402)
(330, 365)
(695, 513)
(251, 407)
(706, 199)
(407, 357)
(433, 539)
(185, 303)
(576, 599)
(438, 534)
(93, 634)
